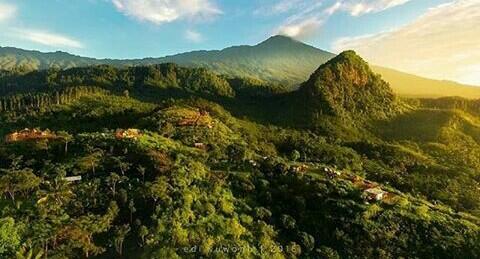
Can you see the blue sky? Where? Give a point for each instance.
(152, 28)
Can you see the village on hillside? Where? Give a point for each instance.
(372, 192)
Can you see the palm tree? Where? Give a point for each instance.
(120, 234)
(67, 138)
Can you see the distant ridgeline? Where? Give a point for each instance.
(456, 103)
(279, 60)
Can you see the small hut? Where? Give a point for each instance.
(127, 134)
(375, 194)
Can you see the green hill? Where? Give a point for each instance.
(143, 80)
(345, 86)
(164, 161)
(279, 60)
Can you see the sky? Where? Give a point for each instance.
(432, 38)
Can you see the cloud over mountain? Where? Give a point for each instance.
(306, 16)
(47, 38)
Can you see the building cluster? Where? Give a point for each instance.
(371, 190)
(127, 134)
(332, 173)
(199, 119)
(201, 146)
(29, 134)
(300, 169)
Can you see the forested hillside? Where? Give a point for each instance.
(278, 60)
(164, 161)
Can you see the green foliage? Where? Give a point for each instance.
(9, 236)
(235, 168)
(345, 86)
(278, 60)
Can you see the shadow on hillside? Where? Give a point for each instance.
(278, 109)
(422, 125)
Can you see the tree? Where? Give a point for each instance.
(142, 233)
(306, 240)
(27, 252)
(18, 181)
(295, 155)
(120, 235)
(122, 165)
(131, 207)
(9, 236)
(93, 158)
(113, 180)
(236, 154)
(67, 138)
(288, 222)
(142, 171)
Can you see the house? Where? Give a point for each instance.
(252, 162)
(29, 134)
(201, 146)
(198, 119)
(374, 194)
(127, 134)
(332, 173)
(73, 178)
(300, 169)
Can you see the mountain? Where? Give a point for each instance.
(410, 85)
(279, 59)
(15, 58)
(346, 85)
(164, 161)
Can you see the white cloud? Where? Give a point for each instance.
(303, 23)
(333, 8)
(165, 11)
(279, 7)
(285, 6)
(7, 11)
(47, 38)
(307, 16)
(302, 29)
(193, 36)
(357, 8)
(443, 43)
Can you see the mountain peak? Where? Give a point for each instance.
(346, 85)
(279, 40)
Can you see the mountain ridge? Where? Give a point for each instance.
(279, 60)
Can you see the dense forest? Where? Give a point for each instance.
(163, 161)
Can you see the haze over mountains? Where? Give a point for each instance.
(279, 60)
